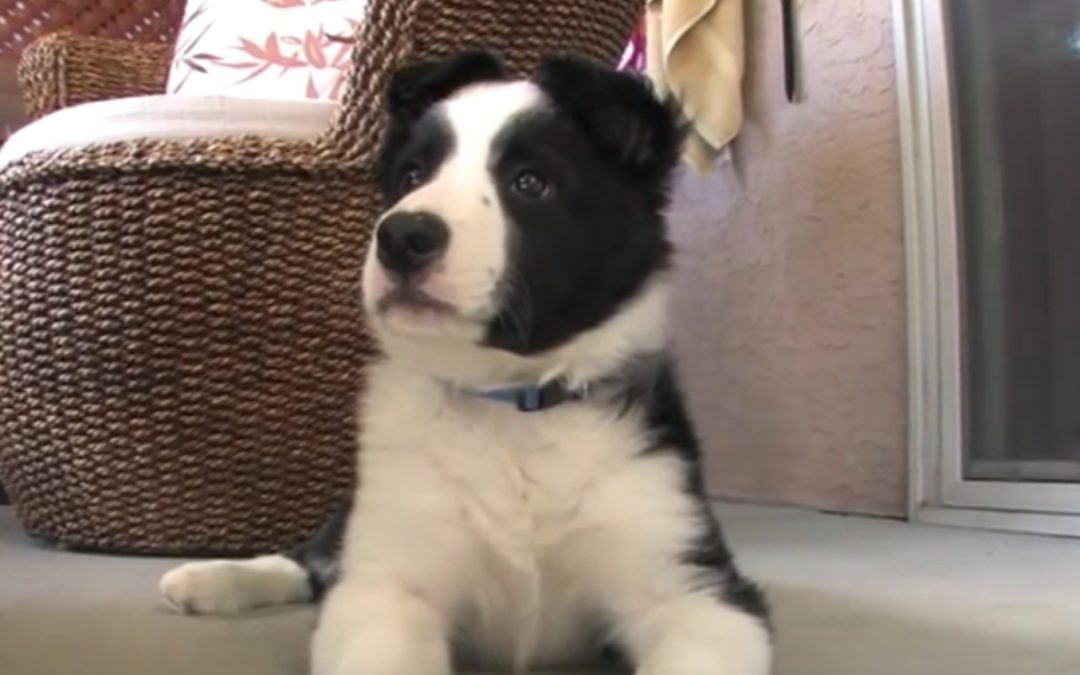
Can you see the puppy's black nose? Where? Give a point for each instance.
(407, 242)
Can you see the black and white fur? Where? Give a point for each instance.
(523, 242)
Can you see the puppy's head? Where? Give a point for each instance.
(519, 214)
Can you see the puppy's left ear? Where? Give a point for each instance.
(415, 88)
(619, 112)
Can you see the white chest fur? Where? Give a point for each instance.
(497, 516)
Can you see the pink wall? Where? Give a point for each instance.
(790, 316)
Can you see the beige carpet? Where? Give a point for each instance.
(852, 596)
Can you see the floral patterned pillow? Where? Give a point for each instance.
(633, 57)
(277, 49)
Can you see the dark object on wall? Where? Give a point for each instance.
(182, 342)
(791, 84)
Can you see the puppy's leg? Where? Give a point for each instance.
(379, 629)
(391, 612)
(697, 634)
(407, 566)
(405, 572)
(674, 618)
(231, 586)
(697, 629)
(658, 564)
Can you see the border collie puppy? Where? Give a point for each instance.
(530, 492)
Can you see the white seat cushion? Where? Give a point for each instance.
(169, 117)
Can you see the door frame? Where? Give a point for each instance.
(939, 492)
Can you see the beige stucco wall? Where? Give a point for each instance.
(789, 314)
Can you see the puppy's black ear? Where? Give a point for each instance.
(619, 112)
(415, 88)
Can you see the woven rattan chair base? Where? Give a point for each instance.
(181, 339)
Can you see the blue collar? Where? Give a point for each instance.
(532, 399)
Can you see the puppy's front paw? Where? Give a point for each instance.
(232, 586)
(202, 588)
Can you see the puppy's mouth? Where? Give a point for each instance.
(411, 298)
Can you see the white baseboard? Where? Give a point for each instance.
(1006, 521)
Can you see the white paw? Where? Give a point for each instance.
(203, 588)
(232, 586)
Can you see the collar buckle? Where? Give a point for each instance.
(535, 399)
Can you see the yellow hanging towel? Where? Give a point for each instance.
(696, 54)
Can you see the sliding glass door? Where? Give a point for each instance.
(1016, 75)
(991, 112)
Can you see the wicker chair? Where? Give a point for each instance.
(22, 23)
(145, 21)
(181, 344)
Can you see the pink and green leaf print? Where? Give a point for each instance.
(282, 49)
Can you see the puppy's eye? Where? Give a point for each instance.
(411, 177)
(531, 185)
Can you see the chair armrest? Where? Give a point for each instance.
(62, 70)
